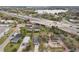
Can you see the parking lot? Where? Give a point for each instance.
(3, 30)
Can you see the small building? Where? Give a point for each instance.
(55, 44)
(6, 21)
(31, 26)
(24, 43)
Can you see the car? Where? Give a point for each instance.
(70, 26)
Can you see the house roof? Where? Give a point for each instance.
(16, 38)
(26, 39)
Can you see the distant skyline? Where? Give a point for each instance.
(43, 7)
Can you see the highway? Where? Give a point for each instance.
(63, 25)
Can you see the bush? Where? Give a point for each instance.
(11, 45)
(27, 48)
(14, 50)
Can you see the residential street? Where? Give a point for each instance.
(5, 43)
(36, 49)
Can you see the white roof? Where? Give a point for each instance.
(7, 21)
(26, 39)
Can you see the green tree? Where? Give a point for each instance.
(23, 31)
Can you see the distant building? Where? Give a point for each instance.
(30, 26)
(74, 20)
(50, 11)
(6, 21)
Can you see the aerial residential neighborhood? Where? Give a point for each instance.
(39, 29)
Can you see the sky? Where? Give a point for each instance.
(39, 3)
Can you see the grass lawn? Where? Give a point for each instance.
(13, 47)
(58, 49)
(42, 29)
(2, 39)
(29, 33)
(30, 47)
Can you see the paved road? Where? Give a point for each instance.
(65, 26)
(20, 48)
(5, 43)
(36, 49)
(61, 42)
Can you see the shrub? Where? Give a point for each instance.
(14, 50)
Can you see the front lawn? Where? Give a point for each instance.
(2, 39)
(13, 47)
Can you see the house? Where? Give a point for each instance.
(24, 43)
(32, 26)
(15, 37)
(6, 21)
(36, 40)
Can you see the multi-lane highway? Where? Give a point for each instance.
(63, 25)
